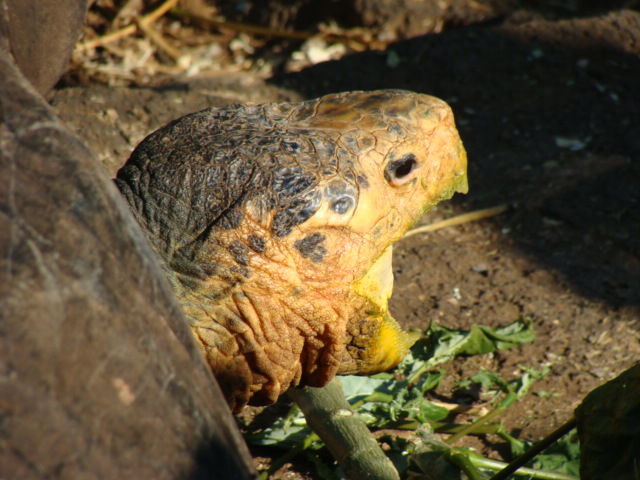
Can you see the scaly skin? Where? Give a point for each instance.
(275, 224)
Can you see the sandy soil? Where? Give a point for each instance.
(548, 105)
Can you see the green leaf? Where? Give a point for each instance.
(356, 387)
(442, 344)
(481, 339)
(282, 437)
(562, 456)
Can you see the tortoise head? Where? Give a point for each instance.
(276, 222)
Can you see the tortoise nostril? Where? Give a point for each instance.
(397, 171)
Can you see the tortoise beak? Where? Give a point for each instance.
(377, 283)
(462, 180)
(389, 343)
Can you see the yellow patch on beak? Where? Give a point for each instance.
(377, 283)
(389, 347)
(461, 184)
(389, 344)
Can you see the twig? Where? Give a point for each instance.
(344, 432)
(460, 219)
(129, 29)
(158, 39)
(240, 27)
(268, 32)
(536, 449)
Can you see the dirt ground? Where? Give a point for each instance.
(547, 100)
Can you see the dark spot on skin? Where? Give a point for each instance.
(239, 253)
(297, 292)
(244, 271)
(341, 196)
(291, 182)
(291, 147)
(396, 129)
(189, 268)
(367, 142)
(232, 281)
(324, 147)
(312, 247)
(232, 324)
(344, 158)
(257, 243)
(208, 269)
(342, 205)
(349, 176)
(362, 181)
(351, 143)
(296, 212)
(231, 219)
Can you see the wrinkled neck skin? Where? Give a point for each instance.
(272, 323)
(268, 319)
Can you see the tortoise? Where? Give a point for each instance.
(275, 224)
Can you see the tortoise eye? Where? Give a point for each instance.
(399, 172)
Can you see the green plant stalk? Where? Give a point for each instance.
(489, 464)
(508, 400)
(536, 449)
(344, 432)
(474, 427)
(463, 462)
(374, 397)
(441, 427)
(428, 365)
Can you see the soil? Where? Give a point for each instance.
(547, 101)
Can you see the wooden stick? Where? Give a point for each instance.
(460, 219)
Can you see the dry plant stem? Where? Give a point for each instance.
(129, 29)
(460, 219)
(158, 39)
(258, 30)
(344, 432)
(239, 27)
